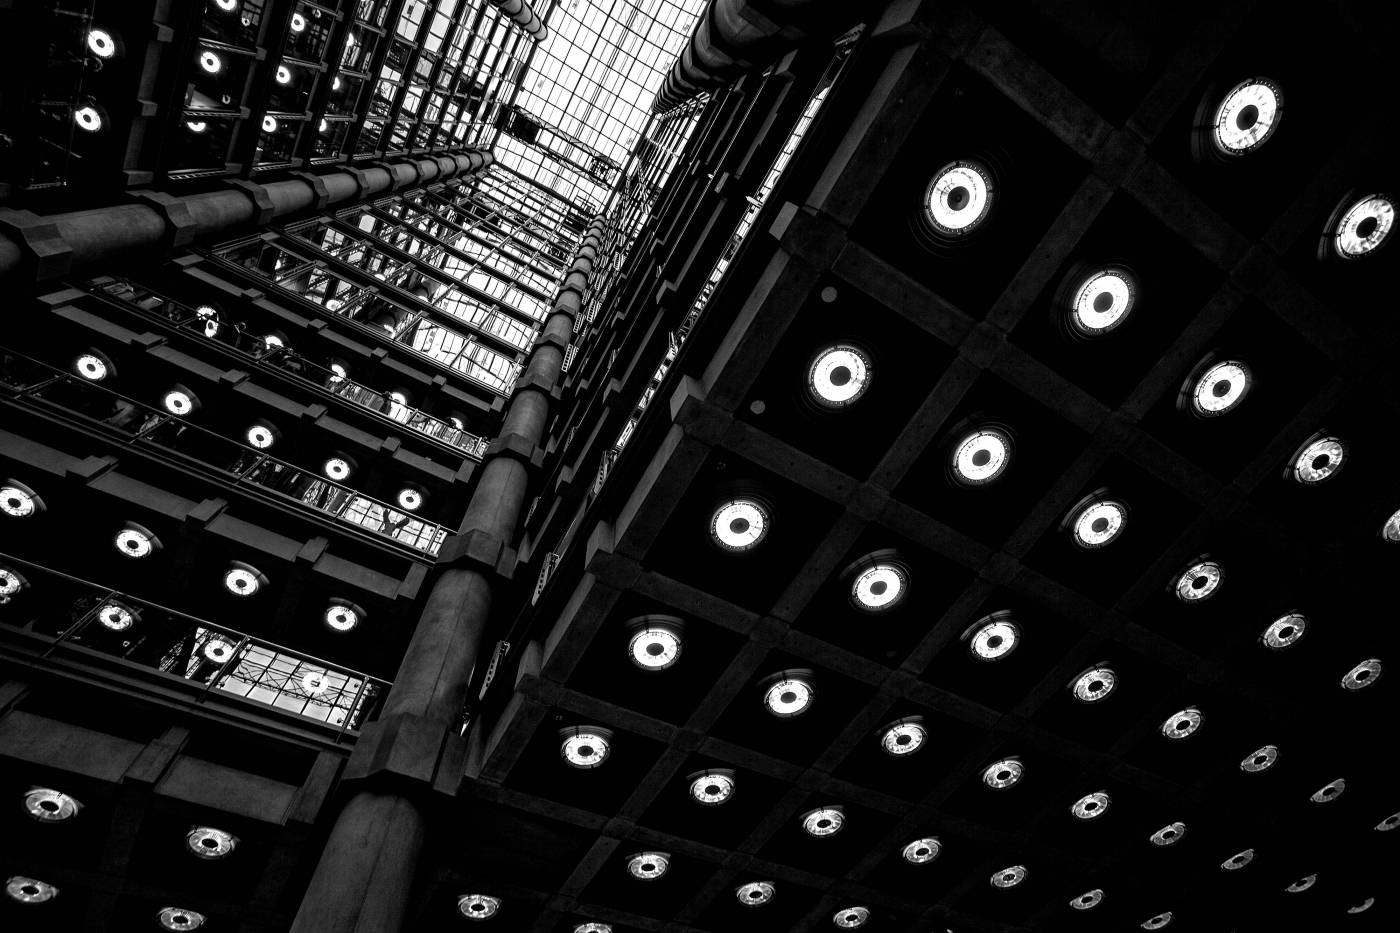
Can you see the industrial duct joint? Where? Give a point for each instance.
(734, 37)
(523, 16)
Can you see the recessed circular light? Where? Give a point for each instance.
(339, 373)
(838, 376)
(1221, 388)
(1199, 581)
(1002, 774)
(1157, 922)
(208, 842)
(341, 617)
(1302, 884)
(101, 43)
(29, 890)
(1387, 824)
(91, 366)
(1362, 675)
(179, 401)
(284, 74)
(210, 62)
(1318, 460)
(242, 580)
(740, 524)
(1097, 522)
(993, 637)
(922, 851)
(1362, 907)
(1238, 860)
(1247, 116)
(315, 682)
(10, 584)
(218, 650)
(135, 541)
(180, 918)
(1182, 724)
(1169, 834)
(336, 82)
(228, 6)
(337, 468)
(18, 500)
(261, 436)
(1102, 301)
(1261, 759)
(959, 198)
(648, 866)
(904, 736)
(269, 124)
(655, 642)
(1364, 226)
(199, 126)
(1285, 630)
(478, 906)
(712, 787)
(1087, 900)
(823, 821)
(789, 693)
(1390, 531)
(849, 918)
(88, 118)
(50, 806)
(878, 585)
(115, 617)
(593, 928)
(1009, 877)
(410, 499)
(982, 456)
(1091, 806)
(1329, 791)
(585, 746)
(755, 893)
(1095, 684)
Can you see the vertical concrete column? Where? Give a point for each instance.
(365, 875)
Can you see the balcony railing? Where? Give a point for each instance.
(70, 614)
(42, 386)
(212, 326)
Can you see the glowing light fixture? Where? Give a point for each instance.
(342, 616)
(959, 198)
(585, 746)
(654, 642)
(1199, 581)
(1221, 388)
(1097, 520)
(1247, 116)
(993, 637)
(1329, 791)
(1261, 759)
(1238, 860)
(982, 456)
(1285, 630)
(1091, 806)
(922, 851)
(180, 918)
(648, 866)
(838, 376)
(789, 693)
(29, 890)
(740, 524)
(712, 787)
(478, 906)
(101, 43)
(337, 468)
(261, 435)
(878, 582)
(1009, 877)
(88, 118)
(1362, 675)
(92, 366)
(210, 62)
(179, 401)
(904, 736)
(1182, 724)
(135, 542)
(1087, 900)
(1302, 884)
(1095, 684)
(850, 918)
(1319, 459)
(115, 617)
(1364, 227)
(18, 500)
(755, 893)
(1158, 922)
(50, 806)
(1102, 301)
(1169, 834)
(1000, 775)
(243, 579)
(209, 843)
(823, 821)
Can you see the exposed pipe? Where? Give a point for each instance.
(61, 243)
(521, 12)
(733, 37)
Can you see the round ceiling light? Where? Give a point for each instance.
(1364, 226)
(1199, 581)
(981, 456)
(1247, 116)
(410, 499)
(298, 22)
(1319, 459)
(210, 62)
(341, 616)
(1097, 521)
(1009, 877)
(269, 124)
(1329, 791)
(922, 851)
(1157, 922)
(1390, 531)
(228, 6)
(992, 637)
(655, 642)
(585, 746)
(218, 650)
(1261, 759)
(1362, 907)
(1285, 630)
(904, 737)
(740, 524)
(850, 918)
(261, 435)
(50, 806)
(755, 893)
(315, 682)
(207, 842)
(478, 906)
(115, 617)
(879, 583)
(1102, 301)
(199, 126)
(1362, 675)
(1087, 900)
(18, 500)
(789, 693)
(1221, 388)
(648, 866)
(284, 74)
(593, 928)
(838, 376)
(92, 366)
(180, 918)
(959, 198)
(823, 821)
(10, 584)
(242, 579)
(101, 43)
(1238, 860)
(1091, 806)
(712, 787)
(1302, 884)
(135, 541)
(179, 401)
(88, 118)
(29, 890)
(1000, 775)
(1095, 684)
(1182, 724)
(1169, 834)
(1387, 824)
(337, 468)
